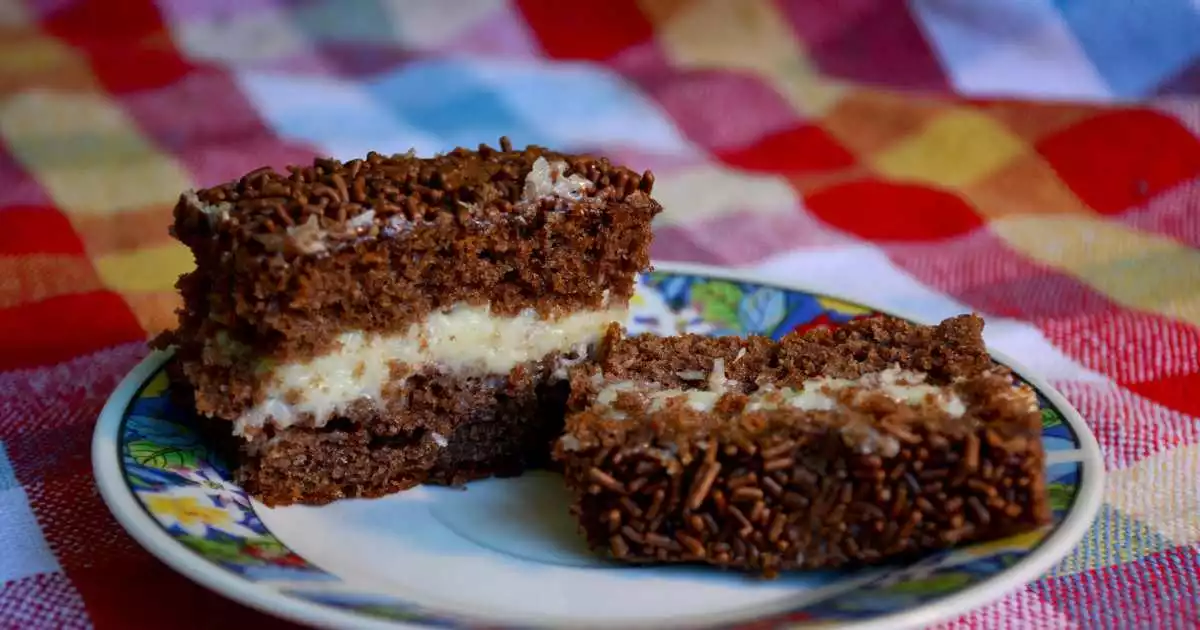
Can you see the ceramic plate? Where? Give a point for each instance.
(505, 554)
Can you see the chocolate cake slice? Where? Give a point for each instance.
(879, 440)
(369, 325)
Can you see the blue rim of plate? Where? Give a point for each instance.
(173, 493)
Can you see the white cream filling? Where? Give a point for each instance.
(902, 386)
(464, 339)
(816, 394)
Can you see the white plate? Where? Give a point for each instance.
(504, 554)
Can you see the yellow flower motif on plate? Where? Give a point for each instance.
(156, 386)
(839, 306)
(1018, 543)
(189, 512)
(197, 509)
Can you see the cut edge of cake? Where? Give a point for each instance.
(836, 448)
(368, 325)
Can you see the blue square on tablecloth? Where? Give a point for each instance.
(342, 117)
(8, 478)
(445, 99)
(26, 552)
(578, 106)
(1135, 45)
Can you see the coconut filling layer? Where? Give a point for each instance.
(465, 340)
(818, 394)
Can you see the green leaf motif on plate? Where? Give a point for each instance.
(221, 550)
(1051, 418)
(268, 546)
(154, 455)
(384, 611)
(718, 302)
(762, 310)
(1061, 495)
(940, 583)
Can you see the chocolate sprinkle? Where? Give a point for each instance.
(287, 261)
(780, 490)
(398, 189)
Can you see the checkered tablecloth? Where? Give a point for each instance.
(857, 146)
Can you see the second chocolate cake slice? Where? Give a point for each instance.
(365, 326)
(880, 440)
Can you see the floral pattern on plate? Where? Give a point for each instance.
(186, 487)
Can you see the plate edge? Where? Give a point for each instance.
(106, 468)
(125, 508)
(1066, 537)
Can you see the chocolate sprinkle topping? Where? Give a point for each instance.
(777, 489)
(366, 196)
(287, 262)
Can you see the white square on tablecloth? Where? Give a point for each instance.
(25, 550)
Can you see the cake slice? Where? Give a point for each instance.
(365, 326)
(879, 440)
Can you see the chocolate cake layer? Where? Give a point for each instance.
(952, 349)
(293, 266)
(365, 326)
(288, 260)
(442, 430)
(874, 461)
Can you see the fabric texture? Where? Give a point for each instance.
(859, 147)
